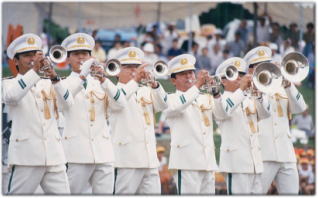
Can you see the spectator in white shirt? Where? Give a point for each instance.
(304, 122)
(262, 31)
(276, 57)
(215, 57)
(117, 46)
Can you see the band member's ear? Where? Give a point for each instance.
(17, 68)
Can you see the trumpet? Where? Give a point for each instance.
(214, 83)
(294, 67)
(267, 78)
(159, 70)
(111, 68)
(230, 73)
(57, 54)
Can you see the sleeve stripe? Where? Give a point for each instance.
(66, 95)
(123, 91)
(298, 96)
(165, 98)
(117, 95)
(229, 102)
(182, 101)
(183, 98)
(21, 83)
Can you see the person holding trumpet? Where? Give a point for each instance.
(36, 155)
(190, 116)
(278, 153)
(133, 127)
(240, 155)
(86, 138)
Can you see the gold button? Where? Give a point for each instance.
(65, 138)
(228, 150)
(120, 143)
(17, 140)
(178, 146)
(204, 133)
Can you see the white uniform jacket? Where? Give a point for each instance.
(32, 105)
(86, 136)
(275, 137)
(240, 150)
(190, 118)
(133, 127)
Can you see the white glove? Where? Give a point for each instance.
(86, 67)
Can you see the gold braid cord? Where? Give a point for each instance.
(143, 103)
(249, 112)
(92, 114)
(279, 106)
(46, 109)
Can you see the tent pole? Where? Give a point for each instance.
(255, 24)
(49, 26)
(190, 29)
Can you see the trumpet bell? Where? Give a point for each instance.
(57, 54)
(295, 67)
(267, 78)
(160, 69)
(231, 73)
(112, 67)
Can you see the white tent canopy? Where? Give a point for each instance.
(94, 15)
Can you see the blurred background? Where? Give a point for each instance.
(211, 31)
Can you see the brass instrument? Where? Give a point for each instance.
(294, 67)
(267, 78)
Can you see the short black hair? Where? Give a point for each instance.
(310, 25)
(69, 53)
(173, 75)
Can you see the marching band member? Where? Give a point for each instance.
(133, 133)
(86, 137)
(240, 155)
(35, 151)
(278, 153)
(189, 115)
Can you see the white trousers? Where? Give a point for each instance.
(25, 180)
(244, 183)
(284, 174)
(99, 176)
(137, 181)
(191, 182)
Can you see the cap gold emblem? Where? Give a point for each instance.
(261, 53)
(237, 64)
(132, 54)
(31, 41)
(80, 40)
(183, 61)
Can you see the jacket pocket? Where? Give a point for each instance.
(21, 138)
(122, 141)
(229, 148)
(106, 136)
(179, 145)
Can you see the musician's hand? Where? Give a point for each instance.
(50, 72)
(245, 82)
(85, 67)
(98, 73)
(286, 83)
(202, 78)
(37, 63)
(140, 73)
